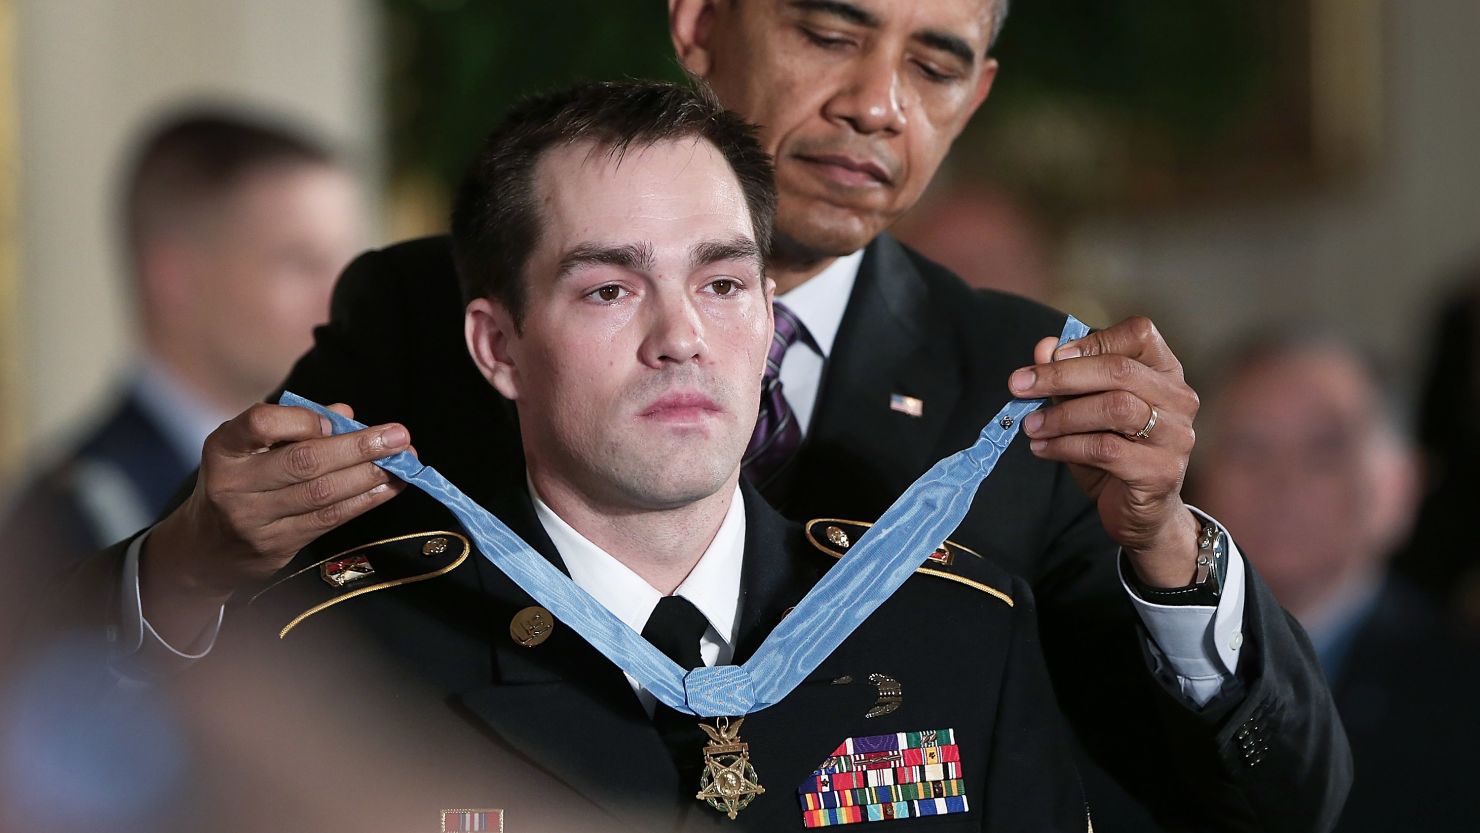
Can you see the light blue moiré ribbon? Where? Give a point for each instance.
(882, 559)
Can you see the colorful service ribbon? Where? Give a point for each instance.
(874, 567)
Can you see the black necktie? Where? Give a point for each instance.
(675, 628)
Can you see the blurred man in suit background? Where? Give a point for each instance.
(1306, 456)
(234, 230)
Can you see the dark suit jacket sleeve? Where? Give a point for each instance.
(81, 605)
(1267, 754)
(44, 534)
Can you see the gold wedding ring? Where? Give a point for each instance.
(1145, 433)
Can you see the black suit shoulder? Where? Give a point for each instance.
(392, 309)
(988, 328)
(1011, 316)
(393, 350)
(422, 263)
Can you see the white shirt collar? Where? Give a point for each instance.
(183, 416)
(713, 585)
(820, 301)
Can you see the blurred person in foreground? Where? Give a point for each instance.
(1305, 454)
(1163, 646)
(234, 230)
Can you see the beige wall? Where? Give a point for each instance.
(90, 73)
(1374, 254)
(10, 346)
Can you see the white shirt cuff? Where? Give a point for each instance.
(139, 637)
(1199, 643)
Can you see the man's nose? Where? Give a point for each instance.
(675, 332)
(873, 98)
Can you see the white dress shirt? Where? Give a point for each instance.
(713, 585)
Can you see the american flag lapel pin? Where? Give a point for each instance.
(906, 404)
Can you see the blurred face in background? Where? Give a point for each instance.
(238, 296)
(1303, 467)
(858, 101)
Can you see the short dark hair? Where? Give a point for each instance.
(495, 219)
(194, 157)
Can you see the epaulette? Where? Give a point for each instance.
(378, 565)
(834, 536)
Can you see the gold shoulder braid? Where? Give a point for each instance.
(404, 559)
(835, 536)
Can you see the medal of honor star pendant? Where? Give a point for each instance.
(728, 783)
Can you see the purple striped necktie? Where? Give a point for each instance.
(777, 434)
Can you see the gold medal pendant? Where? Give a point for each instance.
(729, 782)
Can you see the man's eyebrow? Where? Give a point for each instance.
(714, 251)
(838, 8)
(956, 46)
(635, 257)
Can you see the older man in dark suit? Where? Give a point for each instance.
(1177, 668)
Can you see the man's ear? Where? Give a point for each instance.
(984, 84)
(978, 94)
(770, 290)
(489, 329)
(689, 25)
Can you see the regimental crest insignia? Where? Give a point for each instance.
(729, 782)
(374, 566)
(950, 561)
(343, 571)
